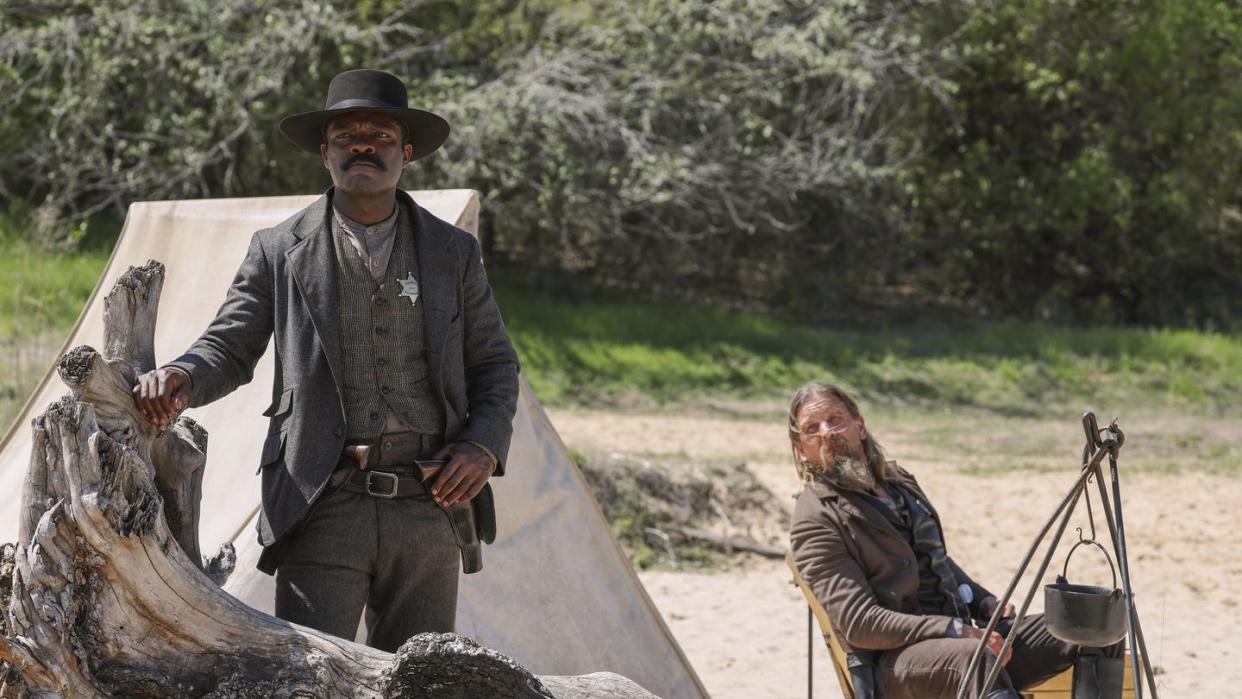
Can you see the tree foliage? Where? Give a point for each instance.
(1090, 165)
(110, 101)
(1065, 159)
(706, 148)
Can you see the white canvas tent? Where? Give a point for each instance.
(556, 592)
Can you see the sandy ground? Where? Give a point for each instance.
(995, 481)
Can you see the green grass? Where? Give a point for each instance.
(600, 350)
(587, 351)
(42, 291)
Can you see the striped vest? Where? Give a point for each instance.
(384, 366)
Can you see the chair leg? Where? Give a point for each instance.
(1098, 677)
(810, 653)
(862, 673)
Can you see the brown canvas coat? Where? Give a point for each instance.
(863, 571)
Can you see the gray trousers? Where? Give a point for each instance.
(934, 668)
(397, 558)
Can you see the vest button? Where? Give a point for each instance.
(386, 389)
(381, 361)
(374, 417)
(380, 330)
(338, 432)
(380, 300)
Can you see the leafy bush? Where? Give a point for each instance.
(111, 101)
(1050, 159)
(1089, 167)
(727, 151)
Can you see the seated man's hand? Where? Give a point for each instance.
(988, 607)
(161, 394)
(995, 641)
(468, 468)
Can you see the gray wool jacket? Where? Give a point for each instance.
(287, 287)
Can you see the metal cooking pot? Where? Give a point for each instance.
(1085, 615)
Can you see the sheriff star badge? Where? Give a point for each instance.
(409, 287)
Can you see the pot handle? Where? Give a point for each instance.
(1103, 550)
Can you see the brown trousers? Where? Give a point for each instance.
(937, 667)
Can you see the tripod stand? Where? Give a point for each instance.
(1100, 443)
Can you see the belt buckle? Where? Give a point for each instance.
(392, 493)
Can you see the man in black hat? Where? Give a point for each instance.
(390, 354)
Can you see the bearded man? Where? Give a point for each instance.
(391, 362)
(870, 545)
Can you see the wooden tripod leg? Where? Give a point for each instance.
(1132, 611)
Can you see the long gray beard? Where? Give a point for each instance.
(846, 471)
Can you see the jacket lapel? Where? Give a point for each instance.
(437, 271)
(313, 265)
(854, 508)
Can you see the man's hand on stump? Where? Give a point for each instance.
(161, 394)
(468, 468)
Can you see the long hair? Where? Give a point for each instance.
(821, 389)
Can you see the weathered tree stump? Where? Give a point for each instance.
(108, 595)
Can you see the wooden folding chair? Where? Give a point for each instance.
(1058, 687)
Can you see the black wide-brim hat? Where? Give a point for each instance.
(366, 90)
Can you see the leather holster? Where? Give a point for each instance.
(472, 529)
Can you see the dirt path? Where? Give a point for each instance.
(994, 480)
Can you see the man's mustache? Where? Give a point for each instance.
(364, 158)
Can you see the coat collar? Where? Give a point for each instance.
(312, 262)
(437, 269)
(855, 508)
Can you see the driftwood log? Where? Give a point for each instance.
(107, 593)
